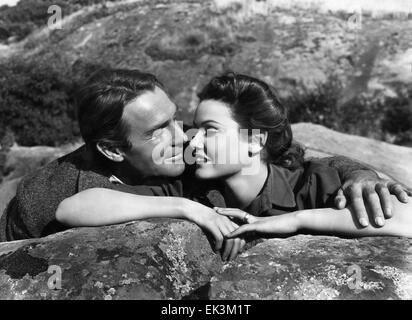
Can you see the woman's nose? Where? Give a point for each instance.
(197, 140)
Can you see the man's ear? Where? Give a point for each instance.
(257, 142)
(111, 153)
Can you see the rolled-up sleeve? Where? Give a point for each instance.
(319, 187)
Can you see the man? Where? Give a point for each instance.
(124, 115)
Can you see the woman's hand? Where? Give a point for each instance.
(285, 224)
(218, 226)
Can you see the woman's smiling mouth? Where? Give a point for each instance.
(202, 158)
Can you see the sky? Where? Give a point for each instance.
(8, 2)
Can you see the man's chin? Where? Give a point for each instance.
(172, 169)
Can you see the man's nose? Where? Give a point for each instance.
(179, 136)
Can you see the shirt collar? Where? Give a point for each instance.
(276, 192)
(279, 190)
(115, 180)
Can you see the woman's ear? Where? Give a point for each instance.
(111, 153)
(257, 142)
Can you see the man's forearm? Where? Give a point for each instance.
(345, 166)
(330, 221)
(99, 206)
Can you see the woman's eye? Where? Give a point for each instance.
(211, 131)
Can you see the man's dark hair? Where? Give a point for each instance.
(101, 101)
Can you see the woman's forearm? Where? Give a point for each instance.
(100, 206)
(342, 222)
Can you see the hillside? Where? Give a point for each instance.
(354, 78)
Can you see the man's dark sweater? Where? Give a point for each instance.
(32, 212)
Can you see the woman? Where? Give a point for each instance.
(256, 169)
(281, 183)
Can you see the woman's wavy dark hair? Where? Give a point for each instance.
(255, 105)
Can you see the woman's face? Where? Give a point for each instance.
(221, 148)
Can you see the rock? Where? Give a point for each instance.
(394, 161)
(172, 259)
(7, 192)
(23, 160)
(314, 267)
(20, 161)
(142, 260)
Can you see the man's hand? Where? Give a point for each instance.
(364, 189)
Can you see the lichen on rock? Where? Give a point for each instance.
(172, 259)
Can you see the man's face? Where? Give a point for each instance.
(156, 138)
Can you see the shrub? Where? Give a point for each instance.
(382, 118)
(317, 105)
(36, 102)
(398, 118)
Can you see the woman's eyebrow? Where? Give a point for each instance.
(204, 122)
(207, 121)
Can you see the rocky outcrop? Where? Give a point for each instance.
(394, 161)
(172, 259)
(23, 160)
(314, 267)
(142, 260)
(20, 161)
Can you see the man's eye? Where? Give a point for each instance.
(155, 133)
(159, 131)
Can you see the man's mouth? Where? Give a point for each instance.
(177, 155)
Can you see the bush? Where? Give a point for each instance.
(398, 118)
(316, 106)
(36, 102)
(36, 105)
(378, 117)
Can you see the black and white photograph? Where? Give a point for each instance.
(228, 151)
